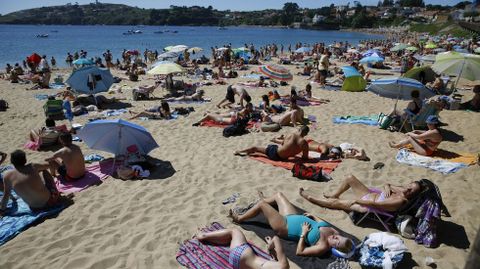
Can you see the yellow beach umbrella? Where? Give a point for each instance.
(166, 69)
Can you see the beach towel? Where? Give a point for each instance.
(440, 165)
(211, 123)
(95, 175)
(261, 228)
(195, 254)
(55, 86)
(190, 102)
(327, 166)
(367, 120)
(300, 102)
(41, 97)
(114, 112)
(253, 76)
(19, 217)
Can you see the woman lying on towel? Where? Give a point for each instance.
(154, 113)
(227, 119)
(242, 255)
(423, 142)
(390, 199)
(315, 237)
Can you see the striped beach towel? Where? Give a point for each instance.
(195, 254)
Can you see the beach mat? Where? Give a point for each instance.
(195, 254)
(366, 120)
(327, 166)
(95, 175)
(261, 228)
(443, 166)
(190, 102)
(302, 102)
(19, 217)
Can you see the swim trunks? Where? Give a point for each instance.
(272, 153)
(230, 94)
(62, 171)
(236, 254)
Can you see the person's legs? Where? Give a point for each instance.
(334, 203)
(54, 165)
(350, 182)
(34, 137)
(221, 102)
(285, 208)
(274, 218)
(417, 146)
(251, 150)
(234, 237)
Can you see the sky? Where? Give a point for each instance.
(7, 6)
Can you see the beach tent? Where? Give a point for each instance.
(354, 82)
(461, 65)
(399, 88)
(416, 73)
(90, 80)
(114, 136)
(166, 68)
(275, 72)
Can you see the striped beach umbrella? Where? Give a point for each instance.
(276, 72)
(399, 88)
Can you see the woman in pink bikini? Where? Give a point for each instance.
(390, 199)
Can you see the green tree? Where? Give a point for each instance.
(290, 10)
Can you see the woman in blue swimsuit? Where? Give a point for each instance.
(315, 237)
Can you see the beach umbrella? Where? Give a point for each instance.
(303, 50)
(115, 136)
(133, 52)
(373, 53)
(461, 50)
(399, 88)
(165, 69)
(157, 63)
(34, 58)
(178, 48)
(244, 55)
(399, 47)
(195, 50)
(83, 61)
(423, 71)
(275, 72)
(352, 50)
(462, 65)
(430, 46)
(438, 50)
(221, 49)
(477, 50)
(167, 55)
(244, 49)
(354, 81)
(371, 59)
(412, 48)
(90, 80)
(168, 48)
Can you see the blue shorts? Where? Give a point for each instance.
(272, 153)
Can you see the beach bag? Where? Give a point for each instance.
(270, 127)
(237, 129)
(3, 105)
(302, 171)
(138, 95)
(385, 121)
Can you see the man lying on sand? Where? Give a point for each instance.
(27, 182)
(294, 116)
(423, 142)
(229, 118)
(68, 161)
(290, 146)
(391, 198)
(242, 255)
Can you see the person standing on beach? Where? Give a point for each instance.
(323, 67)
(108, 59)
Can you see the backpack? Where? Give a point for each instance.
(3, 105)
(137, 95)
(302, 171)
(237, 129)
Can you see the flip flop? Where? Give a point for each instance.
(378, 165)
(231, 199)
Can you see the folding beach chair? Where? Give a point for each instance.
(54, 109)
(417, 121)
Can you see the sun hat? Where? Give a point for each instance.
(432, 119)
(344, 255)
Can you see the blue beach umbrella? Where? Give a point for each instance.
(372, 59)
(373, 52)
(83, 61)
(303, 50)
(115, 136)
(399, 88)
(90, 80)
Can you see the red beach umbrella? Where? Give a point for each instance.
(34, 58)
(276, 72)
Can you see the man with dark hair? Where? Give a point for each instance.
(27, 182)
(233, 90)
(68, 161)
(290, 146)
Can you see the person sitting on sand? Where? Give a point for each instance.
(294, 116)
(474, 103)
(196, 97)
(68, 161)
(390, 199)
(156, 112)
(308, 96)
(414, 106)
(423, 142)
(233, 90)
(290, 146)
(45, 136)
(438, 85)
(315, 236)
(228, 118)
(38, 191)
(242, 255)
(307, 70)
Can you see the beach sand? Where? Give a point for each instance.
(138, 224)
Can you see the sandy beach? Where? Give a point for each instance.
(138, 224)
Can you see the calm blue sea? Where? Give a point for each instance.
(19, 41)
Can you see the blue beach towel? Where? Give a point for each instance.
(56, 86)
(445, 167)
(41, 97)
(190, 102)
(366, 120)
(114, 112)
(19, 217)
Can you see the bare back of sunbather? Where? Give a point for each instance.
(292, 145)
(28, 184)
(292, 117)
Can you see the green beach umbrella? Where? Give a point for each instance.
(462, 65)
(399, 47)
(412, 48)
(477, 50)
(430, 46)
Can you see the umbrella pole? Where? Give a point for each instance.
(458, 78)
